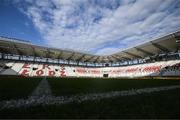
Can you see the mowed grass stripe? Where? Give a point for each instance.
(17, 87)
(163, 104)
(73, 86)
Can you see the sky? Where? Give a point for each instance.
(100, 27)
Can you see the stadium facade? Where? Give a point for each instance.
(159, 57)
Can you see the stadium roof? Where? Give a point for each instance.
(168, 43)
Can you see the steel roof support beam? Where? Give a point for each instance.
(137, 56)
(103, 61)
(95, 61)
(34, 51)
(87, 60)
(117, 58)
(124, 58)
(70, 57)
(60, 55)
(80, 58)
(47, 53)
(16, 48)
(144, 51)
(9, 49)
(109, 59)
(164, 49)
(6, 49)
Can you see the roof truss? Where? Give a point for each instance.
(9, 46)
(118, 59)
(87, 60)
(80, 58)
(60, 55)
(164, 49)
(34, 51)
(144, 51)
(71, 56)
(16, 48)
(110, 59)
(132, 54)
(96, 59)
(124, 58)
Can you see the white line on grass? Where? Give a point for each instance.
(43, 89)
(52, 100)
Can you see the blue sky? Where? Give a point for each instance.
(93, 26)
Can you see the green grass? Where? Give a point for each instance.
(16, 87)
(164, 104)
(72, 86)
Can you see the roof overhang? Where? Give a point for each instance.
(168, 43)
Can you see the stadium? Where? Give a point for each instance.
(157, 58)
(141, 81)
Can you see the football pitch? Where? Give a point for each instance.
(89, 98)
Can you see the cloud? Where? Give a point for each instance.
(88, 25)
(107, 51)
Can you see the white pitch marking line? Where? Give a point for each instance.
(51, 100)
(43, 89)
